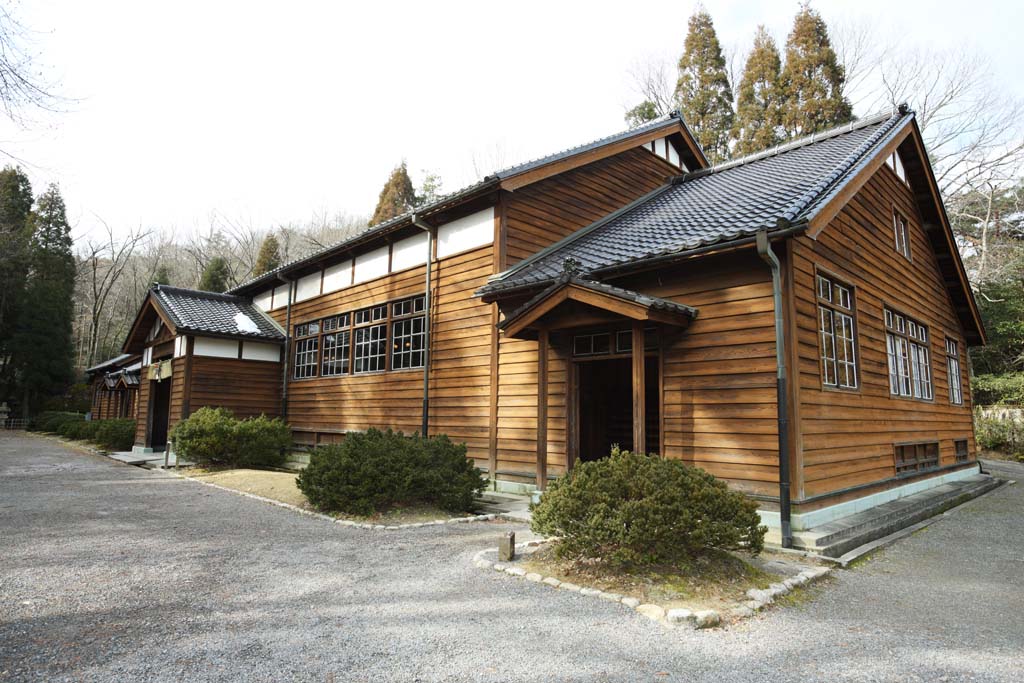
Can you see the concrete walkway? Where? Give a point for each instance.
(115, 573)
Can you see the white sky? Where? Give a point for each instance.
(267, 113)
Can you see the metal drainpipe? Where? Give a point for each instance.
(287, 350)
(764, 250)
(426, 327)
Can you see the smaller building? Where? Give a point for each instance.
(202, 349)
(115, 387)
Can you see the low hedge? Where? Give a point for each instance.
(635, 510)
(214, 437)
(115, 435)
(79, 429)
(376, 470)
(51, 421)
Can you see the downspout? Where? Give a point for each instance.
(764, 250)
(426, 327)
(287, 351)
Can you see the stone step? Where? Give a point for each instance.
(836, 538)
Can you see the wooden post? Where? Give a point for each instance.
(542, 409)
(639, 390)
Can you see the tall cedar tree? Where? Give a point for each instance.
(759, 103)
(162, 275)
(43, 346)
(15, 237)
(216, 275)
(269, 257)
(703, 90)
(812, 79)
(397, 197)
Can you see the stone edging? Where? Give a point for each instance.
(759, 599)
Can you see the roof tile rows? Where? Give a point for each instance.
(221, 314)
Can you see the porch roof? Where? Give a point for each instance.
(538, 311)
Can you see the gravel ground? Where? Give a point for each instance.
(113, 573)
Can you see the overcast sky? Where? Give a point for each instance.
(266, 113)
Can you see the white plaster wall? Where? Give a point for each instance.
(261, 351)
(218, 348)
(412, 251)
(371, 264)
(338, 276)
(474, 230)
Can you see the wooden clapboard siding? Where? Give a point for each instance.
(460, 361)
(178, 392)
(245, 387)
(543, 213)
(848, 437)
(718, 395)
(142, 409)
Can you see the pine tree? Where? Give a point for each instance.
(703, 90)
(397, 197)
(216, 275)
(642, 113)
(430, 190)
(759, 103)
(42, 345)
(812, 80)
(15, 238)
(162, 275)
(269, 257)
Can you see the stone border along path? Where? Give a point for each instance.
(759, 598)
(295, 508)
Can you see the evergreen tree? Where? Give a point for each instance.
(269, 257)
(812, 80)
(431, 190)
(397, 197)
(703, 90)
(15, 237)
(642, 113)
(42, 345)
(162, 275)
(216, 275)
(759, 103)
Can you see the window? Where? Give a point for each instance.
(408, 334)
(305, 357)
(896, 164)
(916, 457)
(591, 344)
(620, 341)
(838, 339)
(336, 345)
(371, 342)
(956, 390)
(906, 342)
(899, 227)
(960, 450)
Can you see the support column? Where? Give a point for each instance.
(542, 409)
(639, 391)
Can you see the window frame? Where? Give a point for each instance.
(901, 234)
(895, 163)
(965, 456)
(918, 465)
(836, 309)
(954, 370)
(416, 311)
(902, 328)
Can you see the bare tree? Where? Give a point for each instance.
(21, 88)
(102, 264)
(654, 81)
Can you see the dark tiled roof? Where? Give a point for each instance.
(618, 292)
(771, 190)
(482, 185)
(219, 314)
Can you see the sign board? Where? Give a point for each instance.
(159, 371)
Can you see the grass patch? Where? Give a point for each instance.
(713, 580)
(281, 486)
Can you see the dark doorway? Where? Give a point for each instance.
(159, 411)
(606, 406)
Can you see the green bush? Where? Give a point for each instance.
(214, 437)
(51, 420)
(373, 471)
(988, 390)
(632, 510)
(115, 435)
(999, 434)
(81, 430)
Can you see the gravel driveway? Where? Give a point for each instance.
(113, 573)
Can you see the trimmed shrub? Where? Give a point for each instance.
(214, 437)
(51, 420)
(634, 510)
(115, 435)
(376, 470)
(261, 442)
(81, 430)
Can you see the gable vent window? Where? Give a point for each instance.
(956, 390)
(906, 341)
(896, 164)
(901, 234)
(836, 334)
(667, 151)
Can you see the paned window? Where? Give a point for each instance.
(336, 346)
(896, 164)
(906, 341)
(960, 450)
(306, 357)
(836, 332)
(371, 344)
(408, 334)
(956, 389)
(915, 457)
(901, 234)
(620, 341)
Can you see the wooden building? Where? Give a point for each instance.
(795, 322)
(114, 387)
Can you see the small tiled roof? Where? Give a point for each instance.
(771, 190)
(485, 184)
(192, 310)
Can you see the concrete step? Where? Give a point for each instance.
(838, 537)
